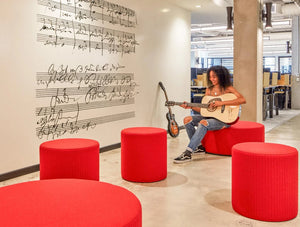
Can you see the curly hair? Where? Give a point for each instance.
(222, 74)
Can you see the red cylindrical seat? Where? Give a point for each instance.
(144, 154)
(265, 181)
(69, 202)
(69, 158)
(221, 141)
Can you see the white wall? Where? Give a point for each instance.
(162, 54)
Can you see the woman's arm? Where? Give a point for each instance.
(197, 109)
(238, 101)
(185, 106)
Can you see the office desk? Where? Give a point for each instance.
(68, 202)
(270, 95)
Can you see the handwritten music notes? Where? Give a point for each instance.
(90, 87)
(71, 23)
(71, 98)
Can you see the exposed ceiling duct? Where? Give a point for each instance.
(291, 7)
(209, 27)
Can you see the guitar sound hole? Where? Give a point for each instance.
(212, 109)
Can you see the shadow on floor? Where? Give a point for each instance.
(220, 199)
(173, 179)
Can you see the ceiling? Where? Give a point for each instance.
(209, 23)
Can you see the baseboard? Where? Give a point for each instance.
(110, 147)
(35, 168)
(19, 172)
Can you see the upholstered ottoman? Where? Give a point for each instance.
(69, 158)
(69, 202)
(144, 154)
(221, 141)
(265, 181)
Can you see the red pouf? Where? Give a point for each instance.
(69, 158)
(69, 202)
(265, 181)
(144, 154)
(221, 141)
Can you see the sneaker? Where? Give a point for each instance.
(200, 150)
(184, 157)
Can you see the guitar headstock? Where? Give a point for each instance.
(162, 86)
(169, 103)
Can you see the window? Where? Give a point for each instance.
(226, 62)
(213, 61)
(285, 65)
(269, 63)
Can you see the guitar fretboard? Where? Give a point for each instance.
(202, 105)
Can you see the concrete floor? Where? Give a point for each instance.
(197, 193)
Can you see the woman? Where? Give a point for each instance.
(218, 84)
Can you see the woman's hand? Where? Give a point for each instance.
(215, 103)
(184, 105)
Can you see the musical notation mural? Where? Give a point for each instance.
(68, 95)
(88, 88)
(78, 29)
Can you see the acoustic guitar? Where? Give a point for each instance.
(225, 113)
(173, 128)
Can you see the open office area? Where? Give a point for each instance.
(150, 113)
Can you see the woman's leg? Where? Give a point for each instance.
(191, 124)
(203, 126)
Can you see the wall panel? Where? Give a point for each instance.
(76, 69)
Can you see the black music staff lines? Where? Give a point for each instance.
(80, 44)
(47, 110)
(116, 14)
(92, 90)
(57, 125)
(77, 78)
(84, 36)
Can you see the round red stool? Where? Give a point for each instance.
(265, 181)
(69, 158)
(144, 154)
(69, 202)
(221, 141)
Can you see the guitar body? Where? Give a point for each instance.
(173, 128)
(227, 114)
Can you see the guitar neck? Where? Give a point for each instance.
(201, 105)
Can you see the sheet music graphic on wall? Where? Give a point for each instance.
(76, 32)
(71, 91)
(74, 96)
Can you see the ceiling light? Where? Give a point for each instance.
(227, 54)
(198, 6)
(212, 41)
(274, 46)
(208, 28)
(275, 52)
(165, 10)
(286, 22)
(220, 3)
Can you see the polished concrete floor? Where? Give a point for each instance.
(197, 193)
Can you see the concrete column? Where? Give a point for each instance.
(295, 97)
(248, 56)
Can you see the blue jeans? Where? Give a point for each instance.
(196, 135)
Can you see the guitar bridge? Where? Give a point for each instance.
(222, 109)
